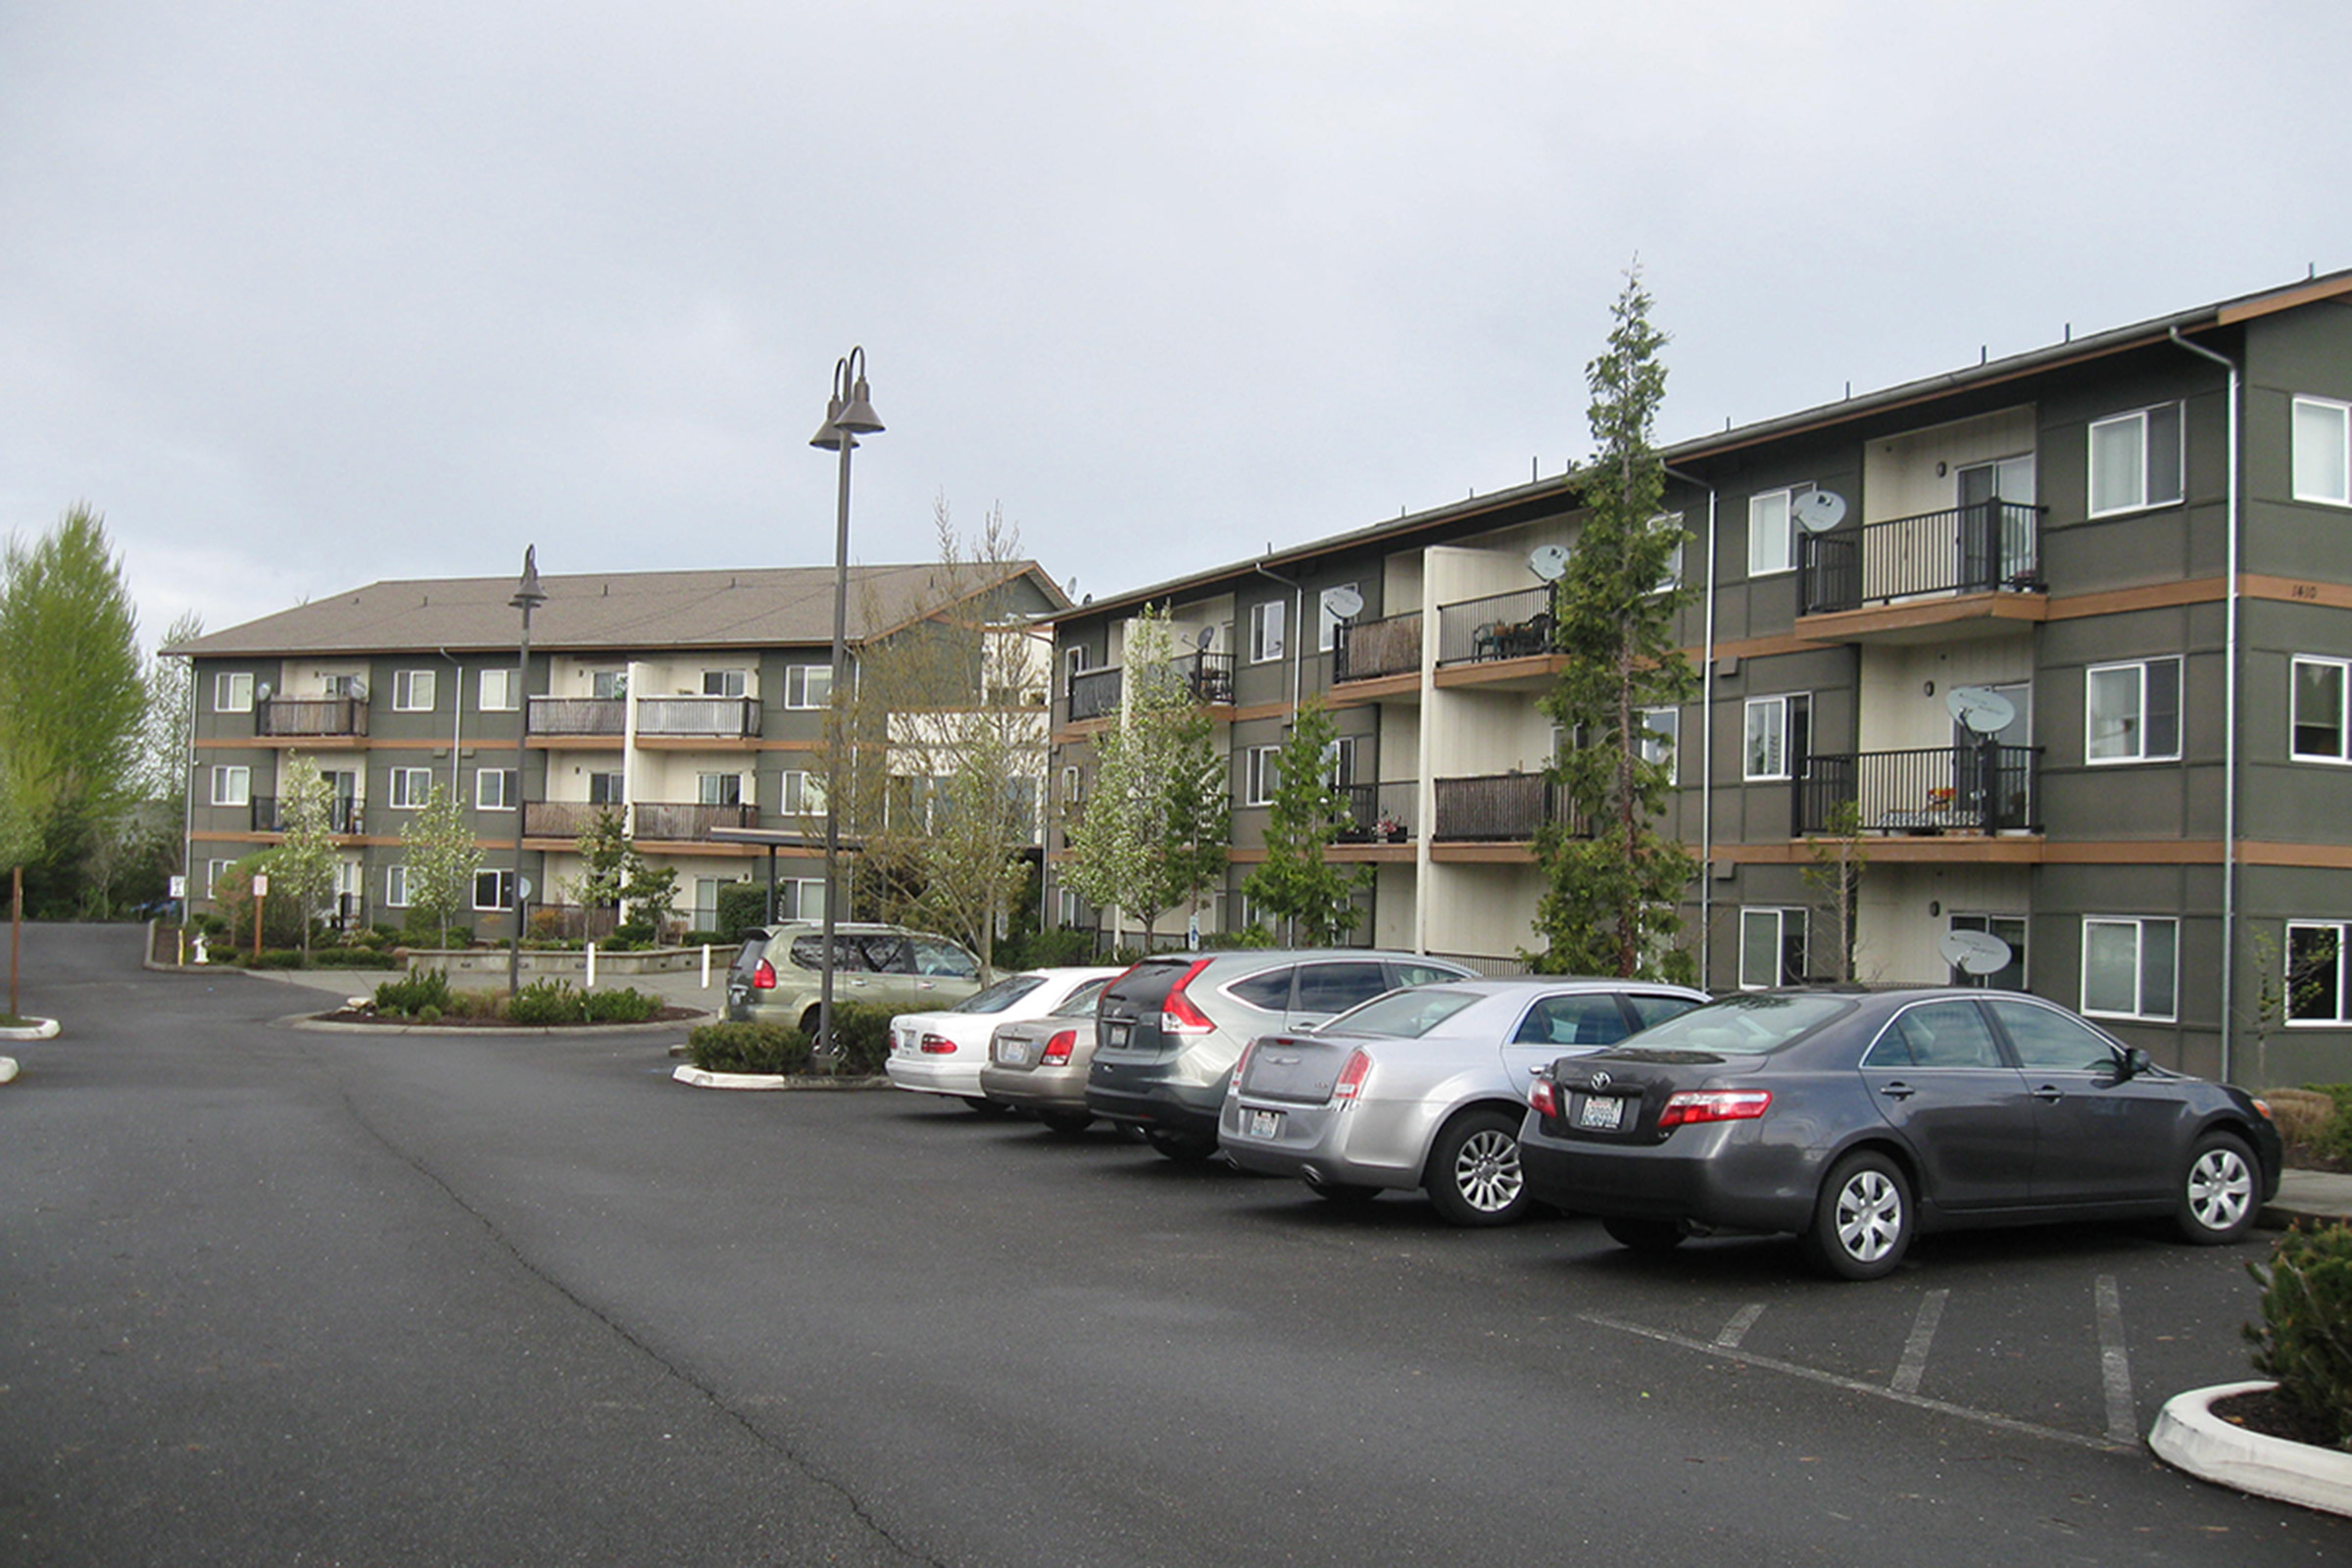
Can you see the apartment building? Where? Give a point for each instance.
(692, 704)
(2061, 642)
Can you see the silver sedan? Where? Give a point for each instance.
(1425, 1088)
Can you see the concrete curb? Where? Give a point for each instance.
(697, 1078)
(2191, 1437)
(38, 1029)
(311, 1022)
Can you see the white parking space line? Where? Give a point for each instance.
(2115, 1364)
(1737, 1329)
(1914, 1364)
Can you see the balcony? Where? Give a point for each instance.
(1939, 789)
(698, 717)
(310, 718)
(1989, 548)
(1379, 813)
(678, 823)
(1093, 694)
(562, 820)
(578, 716)
(1512, 625)
(1497, 808)
(1207, 676)
(1367, 649)
(269, 814)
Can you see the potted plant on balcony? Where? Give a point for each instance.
(1389, 829)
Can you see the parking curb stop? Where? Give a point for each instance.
(2188, 1435)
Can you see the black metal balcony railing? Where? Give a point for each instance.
(562, 820)
(1379, 813)
(1988, 547)
(1499, 808)
(715, 717)
(1365, 649)
(1498, 626)
(1949, 789)
(310, 717)
(1209, 676)
(578, 716)
(1094, 693)
(269, 814)
(677, 822)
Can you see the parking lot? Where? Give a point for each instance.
(278, 1295)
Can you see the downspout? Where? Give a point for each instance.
(457, 723)
(1706, 747)
(2229, 637)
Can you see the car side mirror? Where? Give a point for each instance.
(2136, 1063)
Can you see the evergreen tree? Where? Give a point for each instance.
(1294, 881)
(1614, 881)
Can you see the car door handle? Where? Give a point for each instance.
(2050, 1093)
(1897, 1090)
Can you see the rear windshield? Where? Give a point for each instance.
(1401, 1014)
(1745, 1026)
(1004, 994)
(1081, 1001)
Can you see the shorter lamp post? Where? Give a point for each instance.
(849, 414)
(528, 596)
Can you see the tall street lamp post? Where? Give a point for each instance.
(528, 596)
(849, 414)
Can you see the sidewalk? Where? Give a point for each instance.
(2316, 1197)
(682, 989)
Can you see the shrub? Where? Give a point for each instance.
(547, 1002)
(1059, 949)
(630, 934)
(2305, 1339)
(763, 1048)
(276, 959)
(742, 907)
(861, 1037)
(355, 958)
(412, 993)
(626, 1005)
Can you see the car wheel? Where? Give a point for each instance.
(1186, 1148)
(1347, 1195)
(2218, 1202)
(1065, 1121)
(1474, 1175)
(1862, 1221)
(1644, 1235)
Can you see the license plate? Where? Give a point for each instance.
(1014, 1053)
(1602, 1113)
(1117, 1035)
(1266, 1124)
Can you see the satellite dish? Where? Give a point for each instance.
(1979, 709)
(1548, 561)
(358, 691)
(1974, 952)
(1204, 637)
(1345, 603)
(1819, 511)
(264, 690)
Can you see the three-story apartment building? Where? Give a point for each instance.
(2062, 642)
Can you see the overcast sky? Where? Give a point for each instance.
(302, 295)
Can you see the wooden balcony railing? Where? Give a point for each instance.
(578, 716)
(716, 717)
(1989, 788)
(1497, 807)
(1093, 694)
(1988, 547)
(310, 717)
(1366, 649)
(677, 822)
(562, 820)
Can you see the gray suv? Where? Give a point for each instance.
(778, 973)
(1168, 1030)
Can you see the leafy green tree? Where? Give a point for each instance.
(1306, 813)
(1613, 881)
(442, 857)
(615, 876)
(70, 693)
(303, 872)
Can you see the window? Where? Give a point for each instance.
(1070, 908)
(2135, 459)
(1780, 735)
(2130, 967)
(412, 691)
(2048, 1041)
(807, 686)
(1772, 948)
(232, 692)
(1937, 1034)
(1671, 522)
(802, 898)
(725, 682)
(1077, 661)
(2319, 727)
(1263, 774)
(608, 684)
(213, 871)
(498, 691)
(1265, 631)
(1073, 786)
(412, 787)
(1661, 732)
(2315, 972)
(233, 786)
(719, 789)
(1772, 530)
(2011, 929)
(1327, 624)
(802, 792)
(494, 789)
(2132, 712)
(605, 789)
(494, 890)
(2322, 451)
(396, 887)
(1342, 757)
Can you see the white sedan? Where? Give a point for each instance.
(943, 1053)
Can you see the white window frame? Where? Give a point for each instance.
(411, 788)
(1260, 774)
(502, 888)
(396, 887)
(619, 787)
(413, 691)
(2020, 951)
(232, 784)
(2142, 496)
(1762, 507)
(801, 679)
(806, 798)
(495, 689)
(1268, 621)
(726, 682)
(2142, 1003)
(2342, 668)
(2139, 721)
(1777, 705)
(2321, 459)
(707, 784)
(1327, 624)
(232, 691)
(213, 871)
(2342, 931)
(1780, 918)
(1673, 578)
(493, 789)
(608, 685)
(1662, 744)
(1075, 662)
(1073, 785)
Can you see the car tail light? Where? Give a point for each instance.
(1177, 1014)
(1057, 1050)
(1240, 1064)
(1545, 1096)
(938, 1046)
(1352, 1076)
(764, 978)
(1694, 1105)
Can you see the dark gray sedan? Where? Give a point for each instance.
(1856, 1120)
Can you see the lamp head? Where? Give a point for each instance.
(527, 593)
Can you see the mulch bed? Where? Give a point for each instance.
(2262, 1411)
(452, 1021)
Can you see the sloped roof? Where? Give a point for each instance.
(617, 612)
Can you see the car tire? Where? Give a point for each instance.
(1473, 1176)
(1644, 1235)
(1862, 1222)
(1067, 1122)
(1186, 1148)
(2219, 1191)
